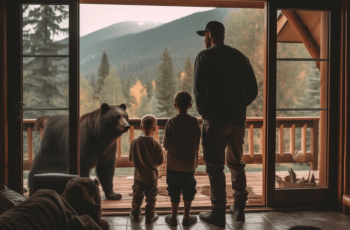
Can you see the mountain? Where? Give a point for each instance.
(138, 54)
(114, 31)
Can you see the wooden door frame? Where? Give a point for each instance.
(283, 197)
(3, 96)
(14, 88)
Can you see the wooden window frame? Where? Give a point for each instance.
(15, 161)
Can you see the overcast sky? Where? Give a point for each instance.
(94, 17)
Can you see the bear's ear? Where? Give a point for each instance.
(104, 107)
(96, 181)
(123, 106)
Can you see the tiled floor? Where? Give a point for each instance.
(254, 221)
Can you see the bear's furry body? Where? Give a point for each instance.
(98, 133)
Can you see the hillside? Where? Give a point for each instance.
(139, 54)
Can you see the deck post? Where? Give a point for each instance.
(314, 146)
(281, 140)
(292, 140)
(30, 144)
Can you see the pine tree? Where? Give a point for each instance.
(112, 92)
(93, 81)
(186, 79)
(312, 92)
(186, 84)
(126, 91)
(144, 107)
(149, 89)
(45, 78)
(165, 86)
(103, 72)
(87, 103)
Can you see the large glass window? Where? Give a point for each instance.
(143, 55)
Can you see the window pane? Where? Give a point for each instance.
(45, 29)
(298, 86)
(45, 88)
(45, 82)
(301, 99)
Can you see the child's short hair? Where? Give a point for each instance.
(183, 99)
(148, 122)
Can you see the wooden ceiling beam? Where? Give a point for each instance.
(281, 23)
(304, 34)
(258, 4)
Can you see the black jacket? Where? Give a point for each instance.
(224, 85)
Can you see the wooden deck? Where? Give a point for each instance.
(122, 185)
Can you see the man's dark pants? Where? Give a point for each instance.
(215, 139)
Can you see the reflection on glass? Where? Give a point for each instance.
(298, 86)
(301, 99)
(45, 82)
(45, 29)
(292, 50)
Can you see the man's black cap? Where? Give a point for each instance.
(216, 28)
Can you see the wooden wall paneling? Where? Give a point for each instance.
(3, 97)
(323, 97)
(344, 177)
(341, 130)
(334, 21)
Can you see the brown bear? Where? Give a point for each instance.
(83, 195)
(99, 131)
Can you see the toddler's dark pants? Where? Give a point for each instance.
(140, 189)
(181, 182)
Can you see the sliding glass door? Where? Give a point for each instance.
(303, 84)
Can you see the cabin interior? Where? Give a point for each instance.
(305, 40)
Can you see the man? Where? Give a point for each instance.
(224, 85)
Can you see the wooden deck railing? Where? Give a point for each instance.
(282, 123)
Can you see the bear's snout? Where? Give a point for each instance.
(126, 127)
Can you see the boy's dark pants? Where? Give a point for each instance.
(215, 139)
(140, 189)
(181, 181)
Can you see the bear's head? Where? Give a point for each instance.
(114, 120)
